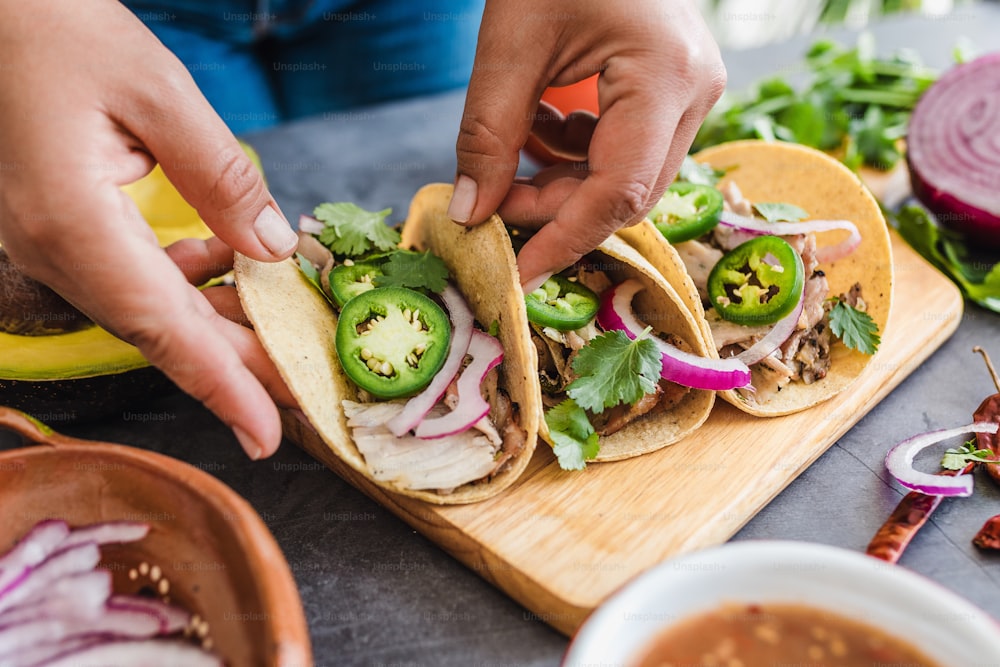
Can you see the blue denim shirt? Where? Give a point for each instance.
(261, 62)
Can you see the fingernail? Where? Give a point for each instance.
(529, 286)
(275, 233)
(249, 445)
(463, 200)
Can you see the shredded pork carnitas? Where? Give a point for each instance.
(805, 355)
(439, 464)
(558, 349)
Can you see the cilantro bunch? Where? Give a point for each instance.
(841, 98)
(351, 232)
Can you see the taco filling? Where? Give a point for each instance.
(428, 411)
(601, 369)
(766, 300)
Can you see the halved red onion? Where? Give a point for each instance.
(899, 462)
(417, 407)
(684, 368)
(824, 254)
(953, 151)
(486, 353)
(310, 225)
(778, 334)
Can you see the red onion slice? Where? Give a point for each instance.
(148, 653)
(79, 558)
(486, 353)
(310, 225)
(109, 532)
(899, 462)
(42, 540)
(824, 254)
(60, 608)
(684, 368)
(778, 334)
(171, 619)
(953, 149)
(461, 333)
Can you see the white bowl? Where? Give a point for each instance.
(942, 625)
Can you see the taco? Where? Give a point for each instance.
(660, 414)
(793, 276)
(380, 345)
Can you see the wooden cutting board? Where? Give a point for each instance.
(560, 542)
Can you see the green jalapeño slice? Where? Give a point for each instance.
(392, 341)
(350, 280)
(561, 304)
(757, 282)
(686, 211)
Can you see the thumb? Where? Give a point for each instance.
(500, 105)
(210, 169)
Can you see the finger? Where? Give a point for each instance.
(206, 164)
(531, 205)
(248, 346)
(201, 260)
(114, 270)
(623, 181)
(499, 108)
(226, 302)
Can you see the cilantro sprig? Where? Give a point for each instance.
(416, 270)
(855, 328)
(956, 458)
(780, 212)
(352, 231)
(573, 436)
(611, 369)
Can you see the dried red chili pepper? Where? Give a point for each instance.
(902, 525)
(989, 411)
(988, 536)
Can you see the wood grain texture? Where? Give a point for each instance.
(560, 542)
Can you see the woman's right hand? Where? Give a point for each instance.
(91, 100)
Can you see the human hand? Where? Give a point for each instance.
(660, 74)
(89, 101)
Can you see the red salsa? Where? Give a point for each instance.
(778, 634)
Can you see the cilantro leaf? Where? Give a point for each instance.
(416, 270)
(956, 458)
(855, 328)
(779, 212)
(307, 268)
(613, 369)
(352, 231)
(948, 252)
(574, 437)
(699, 173)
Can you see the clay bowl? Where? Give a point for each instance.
(219, 557)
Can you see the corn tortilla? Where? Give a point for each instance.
(826, 189)
(296, 326)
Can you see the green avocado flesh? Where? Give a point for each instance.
(75, 376)
(79, 354)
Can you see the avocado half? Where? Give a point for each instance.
(86, 373)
